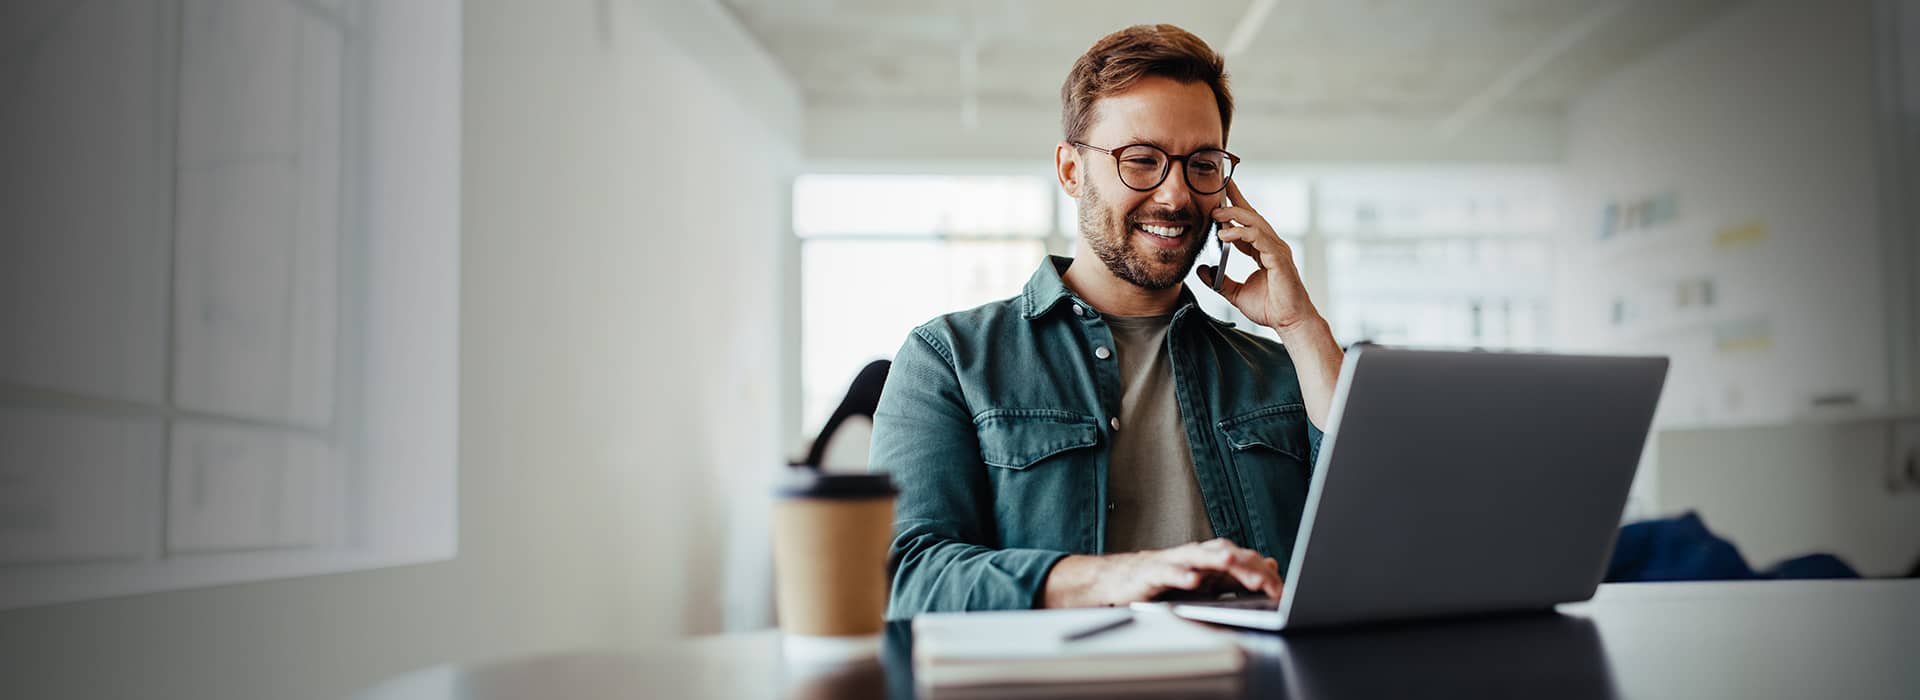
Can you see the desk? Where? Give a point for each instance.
(1799, 639)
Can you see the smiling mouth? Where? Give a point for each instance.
(1168, 232)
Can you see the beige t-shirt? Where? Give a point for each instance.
(1156, 501)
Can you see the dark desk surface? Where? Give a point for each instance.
(1828, 639)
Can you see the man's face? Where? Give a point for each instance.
(1149, 239)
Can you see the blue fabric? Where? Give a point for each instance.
(1811, 566)
(1683, 549)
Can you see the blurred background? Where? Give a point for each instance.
(347, 337)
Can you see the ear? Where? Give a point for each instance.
(1066, 166)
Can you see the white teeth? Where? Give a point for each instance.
(1164, 231)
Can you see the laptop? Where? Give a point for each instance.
(1460, 483)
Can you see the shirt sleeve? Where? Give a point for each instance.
(944, 556)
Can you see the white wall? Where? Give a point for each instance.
(623, 256)
(1765, 115)
(1769, 115)
(1898, 24)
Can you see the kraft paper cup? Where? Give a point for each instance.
(830, 537)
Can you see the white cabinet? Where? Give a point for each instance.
(258, 232)
(86, 136)
(228, 291)
(235, 488)
(77, 488)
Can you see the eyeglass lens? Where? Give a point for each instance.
(1144, 167)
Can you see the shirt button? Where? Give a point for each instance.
(1109, 506)
(1079, 310)
(1114, 422)
(1102, 352)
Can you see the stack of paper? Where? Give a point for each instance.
(1000, 648)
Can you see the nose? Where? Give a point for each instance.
(1173, 192)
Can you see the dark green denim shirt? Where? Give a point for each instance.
(996, 421)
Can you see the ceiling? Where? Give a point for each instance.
(1445, 62)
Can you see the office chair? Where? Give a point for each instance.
(863, 396)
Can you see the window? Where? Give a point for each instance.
(1449, 258)
(881, 254)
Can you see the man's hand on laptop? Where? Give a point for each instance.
(1082, 580)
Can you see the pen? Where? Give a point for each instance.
(1097, 629)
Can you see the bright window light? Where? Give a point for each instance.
(920, 205)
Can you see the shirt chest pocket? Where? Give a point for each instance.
(1268, 450)
(1022, 438)
(1042, 466)
(1274, 429)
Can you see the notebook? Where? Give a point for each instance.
(1029, 646)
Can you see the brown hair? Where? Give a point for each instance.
(1122, 58)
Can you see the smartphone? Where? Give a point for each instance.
(1219, 270)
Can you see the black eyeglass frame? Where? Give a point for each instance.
(1167, 167)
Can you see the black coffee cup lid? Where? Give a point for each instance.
(809, 483)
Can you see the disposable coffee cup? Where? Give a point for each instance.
(830, 535)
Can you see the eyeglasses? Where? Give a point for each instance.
(1143, 166)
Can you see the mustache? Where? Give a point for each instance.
(1183, 217)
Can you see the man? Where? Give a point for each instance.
(1098, 440)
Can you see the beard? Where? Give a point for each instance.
(1111, 239)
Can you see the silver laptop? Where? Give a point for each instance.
(1457, 483)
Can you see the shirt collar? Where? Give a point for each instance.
(1045, 290)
